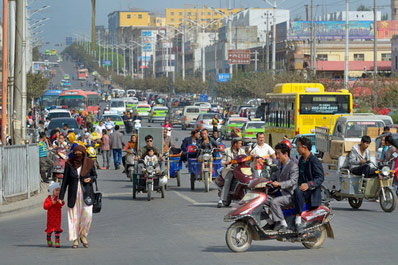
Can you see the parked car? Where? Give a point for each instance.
(189, 116)
(250, 130)
(58, 123)
(204, 121)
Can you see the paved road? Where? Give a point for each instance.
(187, 228)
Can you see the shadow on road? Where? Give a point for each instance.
(349, 209)
(225, 249)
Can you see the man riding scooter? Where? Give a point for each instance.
(231, 153)
(310, 179)
(260, 150)
(286, 180)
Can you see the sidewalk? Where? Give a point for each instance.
(33, 202)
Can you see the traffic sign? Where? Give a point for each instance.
(239, 56)
(222, 78)
(106, 63)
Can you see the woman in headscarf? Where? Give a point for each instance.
(132, 144)
(78, 178)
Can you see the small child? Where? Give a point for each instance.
(53, 207)
(151, 157)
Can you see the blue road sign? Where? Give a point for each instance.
(222, 78)
(106, 63)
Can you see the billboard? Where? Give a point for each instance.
(386, 29)
(330, 30)
(69, 40)
(239, 56)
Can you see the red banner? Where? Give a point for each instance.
(239, 56)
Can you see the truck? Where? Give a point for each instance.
(82, 74)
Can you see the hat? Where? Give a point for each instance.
(53, 186)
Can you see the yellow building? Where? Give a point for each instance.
(209, 18)
(158, 21)
(118, 19)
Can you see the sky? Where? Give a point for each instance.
(71, 17)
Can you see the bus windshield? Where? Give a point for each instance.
(50, 100)
(73, 102)
(93, 100)
(324, 104)
(117, 104)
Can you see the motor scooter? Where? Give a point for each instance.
(248, 214)
(130, 163)
(240, 182)
(59, 156)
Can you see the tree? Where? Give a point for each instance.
(362, 7)
(35, 54)
(36, 85)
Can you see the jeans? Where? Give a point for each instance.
(117, 157)
(106, 157)
(276, 204)
(363, 169)
(45, 165)
(229, 175)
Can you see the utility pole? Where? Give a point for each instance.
(255, 61)
(4, 74)
(93, 14)
(273, 34)
(230, 35)
(313, 66)
(347, 41)
(183, 54)
(18, 73)
(24, 71)
(267, 44)
(375, 40)
(203, 57)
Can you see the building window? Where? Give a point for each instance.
(203, 13)
(359, 57)
(322, 57)
(215, 13)
(128, 16)
(180, 20)
(209, 13)
(180, 13)
(208, 20)
(189, 14)
(172, 20)
(386, 56)
(171, 13)
(139, 16)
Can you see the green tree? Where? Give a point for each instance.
(362, 7)
(36, 85)
(36, 53)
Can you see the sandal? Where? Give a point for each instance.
(75, 244)
(85, 244)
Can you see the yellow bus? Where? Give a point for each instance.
(296, 108)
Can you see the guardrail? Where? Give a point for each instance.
(19, 171)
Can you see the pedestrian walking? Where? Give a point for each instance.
(45, 163)
(116, 144)
(53, 207)
(106, 149)
(78, 178)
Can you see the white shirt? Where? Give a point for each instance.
(262, 151)
(99, 129)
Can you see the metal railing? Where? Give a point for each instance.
(19, 171)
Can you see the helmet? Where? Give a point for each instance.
(288, 143)
(162, 181)
(91, 152)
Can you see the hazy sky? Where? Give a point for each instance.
(68, 17)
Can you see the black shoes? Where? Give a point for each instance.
(280, 228)
(269, 227)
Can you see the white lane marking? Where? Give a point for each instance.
(179, 194)
(105, 195)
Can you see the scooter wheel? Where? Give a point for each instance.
(318, 242)
(238, 237)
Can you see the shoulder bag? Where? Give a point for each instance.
(97, 199)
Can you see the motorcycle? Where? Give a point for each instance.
(130, 163)
(92, 153)
(150, 179)
(240, 182)
(59, 156)
(204, 167)
(250, 211)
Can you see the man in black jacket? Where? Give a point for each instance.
(310, 179)
(195, 134)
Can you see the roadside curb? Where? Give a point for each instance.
(33, 202)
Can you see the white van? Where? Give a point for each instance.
(117, 106)
(189, 116)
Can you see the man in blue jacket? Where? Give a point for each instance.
(310, 179)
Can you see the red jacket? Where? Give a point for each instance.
(53, 215)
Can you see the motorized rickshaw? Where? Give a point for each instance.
(202, 162)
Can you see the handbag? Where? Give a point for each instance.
(97, 205)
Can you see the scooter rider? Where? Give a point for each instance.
(193, 139)
(231, 153)
(261, 149)
(144, 150)
(286, 179)
(310, 179)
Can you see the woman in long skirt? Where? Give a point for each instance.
(78, 178)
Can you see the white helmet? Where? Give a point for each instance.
(163, 181)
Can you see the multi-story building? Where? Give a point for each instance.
(204, 16)
(157, 21)
(120, 19)
(394, 54)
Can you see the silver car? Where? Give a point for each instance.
(204, 121)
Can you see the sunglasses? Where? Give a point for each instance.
(148, 141)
